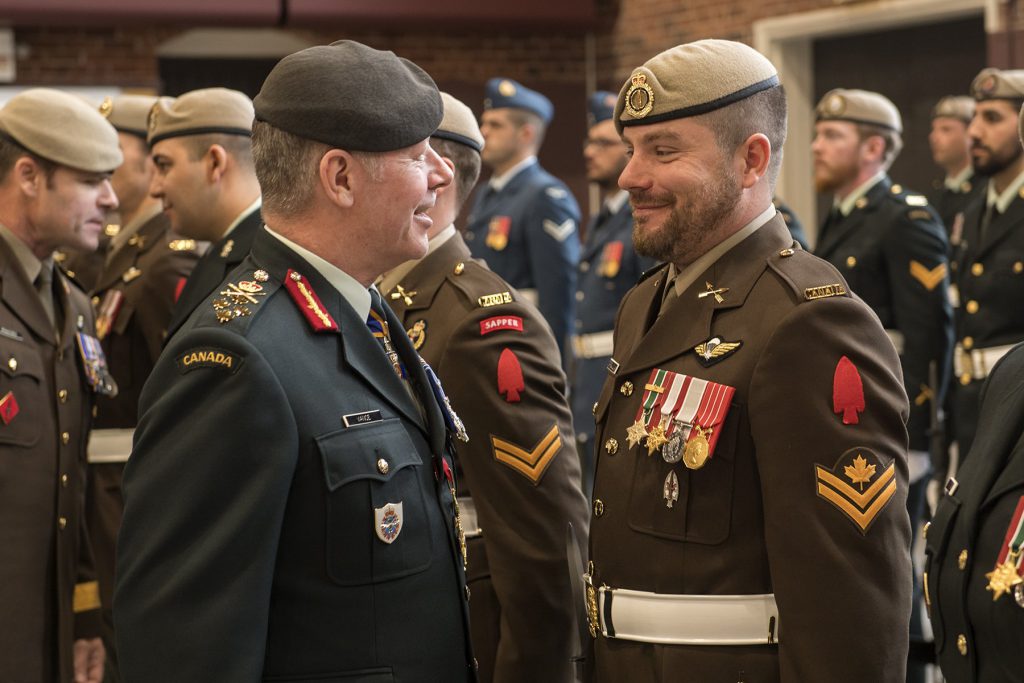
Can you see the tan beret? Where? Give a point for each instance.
(959, 107)
(62, 128)
(459, 124)
(692, 79)
(128, 113)
(859, 106)
(200, 112)
(996, 84)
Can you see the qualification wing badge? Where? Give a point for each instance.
(715, 349)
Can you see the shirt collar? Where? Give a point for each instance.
(498, 183)
(29, 263)
(240, 217)
(687, 275)
(388, 280)
(847, 203)
(955, 182)
(1002, 201)
(357, 296)
(614, 202)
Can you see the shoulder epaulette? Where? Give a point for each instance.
(481, 287)
(810, 277)
(308, 302)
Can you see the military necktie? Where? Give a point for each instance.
(378, 324)
(44, 287)
(986, 219)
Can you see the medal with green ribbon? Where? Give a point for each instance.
(1006, 576)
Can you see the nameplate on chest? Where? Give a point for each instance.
(364, 418)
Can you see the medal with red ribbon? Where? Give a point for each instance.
(1008, 574)
(695, 426)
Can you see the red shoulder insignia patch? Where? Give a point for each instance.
(501, 322)
(847, 392)
(510, 376)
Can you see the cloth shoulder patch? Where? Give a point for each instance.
(847, 392)
(501, 322)
(208, 357)
(928, 277)
(556, 192)
(559, 231)
(859, 485)
(533, 462)
(9, 407)
(510, 376)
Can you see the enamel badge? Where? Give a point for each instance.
(387, 522)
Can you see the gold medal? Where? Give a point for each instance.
(656, 439)
(1004, 577)
(696, 454)
(635, 433)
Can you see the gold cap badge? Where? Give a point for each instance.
(506, 88)
(106, 106)
(639, 97)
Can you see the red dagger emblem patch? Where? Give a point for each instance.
(510, 376)
(847, 392)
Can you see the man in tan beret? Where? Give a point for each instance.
(134, 296)
(56, 157)
(289, 502)
(207, 183)
(951, 151)
(520, 488)
(749, 520)
(989, 260)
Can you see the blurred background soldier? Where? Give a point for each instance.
(134, 296)
(609, 267)
(56, 156)
(951, 151)
(519, 463)
(524, 221)
(206, 182)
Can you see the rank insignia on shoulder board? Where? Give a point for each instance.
(859, 485)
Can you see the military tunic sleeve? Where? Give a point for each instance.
(523, 471)
(554, 250)
(205, 493)
(834, 486)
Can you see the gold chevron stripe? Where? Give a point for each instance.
(530, 463)
(861, 519)
(861, 499)
(928, 278)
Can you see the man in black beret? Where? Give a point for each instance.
(289, 508)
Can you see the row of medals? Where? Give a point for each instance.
(693, 452)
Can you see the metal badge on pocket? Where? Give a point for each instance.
(387, 522)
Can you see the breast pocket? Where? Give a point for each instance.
(22, 394)
(377, 524)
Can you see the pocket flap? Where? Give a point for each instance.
(373, 451)
(18, 359)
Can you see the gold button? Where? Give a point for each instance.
(612, 446)
(64, 438)
(64, 480)
(968, 343)
(861, 203)
(95, 301)
(972, 306)
(961, 644)
(924, 531)
(598, 508)
(965, 378)
(897, 188)
(594, 409)
(459, 268)
(626, 388)
(786, 252)
(1018, 267)
(977, 269)
(382, 466)
(580, 295)
(12, 363)
(62, 523)
(961, 560)
(63, 395)
(851, 261)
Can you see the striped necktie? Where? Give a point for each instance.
(378, 324)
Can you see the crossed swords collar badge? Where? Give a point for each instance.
(711, 290)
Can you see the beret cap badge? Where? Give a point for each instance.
(153, 115)
(106, 107)
(506, 88)
(987, 85)
(835, 105)
(639, 97)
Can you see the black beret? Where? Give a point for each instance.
(351, 96)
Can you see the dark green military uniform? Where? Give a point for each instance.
(951, 203)
(501, 370)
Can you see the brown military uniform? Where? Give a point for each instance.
(499, 364)
(144, 274)
(85, 266)
(48, 594)
(792, 502)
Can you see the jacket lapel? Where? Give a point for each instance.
(838, 231)
(1002, 225)
(21, 297)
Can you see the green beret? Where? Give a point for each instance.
(200, 112)
(959, 107)
(859, 106)
(129, 113)
(459, 124)
(996, 84)
(352, 97)
(692, 79)
(61, 128)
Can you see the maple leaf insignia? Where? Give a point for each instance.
(861, 472)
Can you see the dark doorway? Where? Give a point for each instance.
(179, 75)
(914, 67)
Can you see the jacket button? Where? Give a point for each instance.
(598, 507)
(851, 261)
(961, 644)
(972, 306)
(612, 446)
(626, 388)
(64, 480)
(62, 523)
(382, 466)
(961, 560)
(968, 343)
(1018, 267)
(965, 378)
(594, 409)
(580, 295)
(460, 268)
(977, 269)
(924, 531)
(63, 395)
(12, 363)
(64, 438)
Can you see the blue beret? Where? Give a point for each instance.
(600, 107)
(504, 92)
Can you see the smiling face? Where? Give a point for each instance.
(682, 188)
(71, 209)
